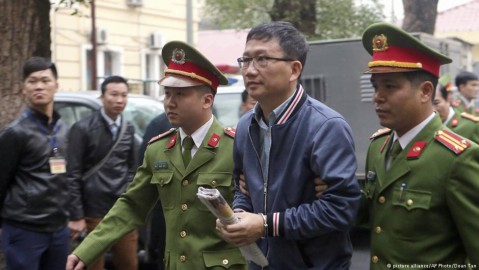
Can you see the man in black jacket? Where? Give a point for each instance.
(101, 164)
(33, 190)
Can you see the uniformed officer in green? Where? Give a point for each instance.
(467, 84)
(176, 163)
(422, 185)
(464, 124)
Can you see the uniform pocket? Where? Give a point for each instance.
(411, 210)
(412, 199)
(163, 182)
(215, 180)
(224, 259)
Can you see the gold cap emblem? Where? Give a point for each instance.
(178, 56)
(380, 43)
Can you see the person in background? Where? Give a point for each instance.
(421, 179)
(467, 84)
(33, 188)
(464, 124)
(247, 102)
(102, 162)
(176, 163)
(280, 147)
(155, 225)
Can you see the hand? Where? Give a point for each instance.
(242, 185)
(319, 186)
(77, 227)
(249, 229)
(74, 263)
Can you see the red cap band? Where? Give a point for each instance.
(195, 72)
(405, 58)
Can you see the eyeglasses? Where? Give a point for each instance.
(258, 61)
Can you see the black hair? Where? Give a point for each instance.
(419, 76)
(113, 79)
(244, 96)
(443, 91)
(38, 63)
(292, 42)
(464, 77)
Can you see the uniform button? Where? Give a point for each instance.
(377, 230)
(184, 207)
(382, 199)
(185, 182)
(213, 183)
(374, 259)
(225, 261)
(183, 234)
(182, 258)
(409, 202)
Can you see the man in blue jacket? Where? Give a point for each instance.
(281, 146)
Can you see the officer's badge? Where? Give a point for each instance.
(161, 165)
(178, 56)
(380, 43)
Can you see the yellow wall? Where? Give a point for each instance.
(128, 29)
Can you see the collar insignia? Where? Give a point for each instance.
(213, 142)
(416, 150)
(178, 56)
(380, 43)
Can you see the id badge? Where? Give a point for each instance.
(57, 165)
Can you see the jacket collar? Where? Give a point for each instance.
(291, 107)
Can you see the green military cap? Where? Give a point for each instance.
(188, 67)
(395, 50)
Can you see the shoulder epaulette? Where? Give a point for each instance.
(470, 116)
(380, 132)
(230, 132)
(162, 135)
(452, 141)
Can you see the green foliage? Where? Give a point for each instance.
(342, 19)
(335, 18)
(232, 14)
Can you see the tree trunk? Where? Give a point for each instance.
(420, 16)
(302, 14)
(25, 32)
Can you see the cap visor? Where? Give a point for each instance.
(178, 81)
(390, 70)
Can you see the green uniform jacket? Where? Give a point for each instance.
(425, 209)
(191, 239)
(459, 106)
(465, 125)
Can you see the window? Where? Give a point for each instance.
(108, 63)
(153, 69)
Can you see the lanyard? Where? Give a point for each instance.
(45, 131)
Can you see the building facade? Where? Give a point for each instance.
(129, 34)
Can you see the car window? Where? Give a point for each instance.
(227, 108)
(140, 111)
(71, 112)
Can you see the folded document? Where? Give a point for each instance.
(217, 204)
